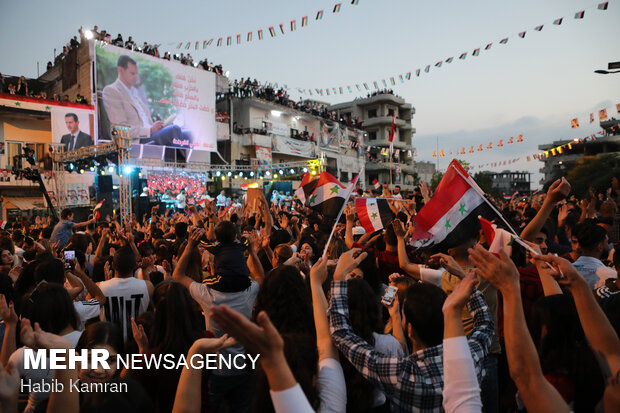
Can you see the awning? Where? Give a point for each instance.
(24, 203)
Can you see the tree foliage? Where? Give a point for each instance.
(435, 179)
(593, 172)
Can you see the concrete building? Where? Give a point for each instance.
(425, 170)
(376, 112)
(510, 181)
(265, 132)
(555, 162)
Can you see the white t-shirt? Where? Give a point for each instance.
(242, 302)
(125, 298)
(220, 200)
(16, 363)
(86, 310)
(594, 271)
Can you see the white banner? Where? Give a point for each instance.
(295, 147)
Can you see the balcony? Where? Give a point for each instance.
(381, 98)
(384, 143)
(383, 120)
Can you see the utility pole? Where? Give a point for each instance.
(437, 152)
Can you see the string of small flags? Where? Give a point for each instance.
(274, 31)
(478, 148)
(390, 81)
(602, 115)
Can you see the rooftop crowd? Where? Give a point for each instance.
(252, 88)
(466, 331)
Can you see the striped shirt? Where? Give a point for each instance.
(412, 383)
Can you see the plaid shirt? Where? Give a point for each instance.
(412, 383)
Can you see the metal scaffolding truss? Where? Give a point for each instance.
(196, 167)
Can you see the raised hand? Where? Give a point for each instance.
(318, 273)
(449, 263)
(195, 237)
(348, 262)
(501, 272)
(399, 230)
(7, 312)
(461, 293)
(140, 336)
(562, 270)
(558, 190)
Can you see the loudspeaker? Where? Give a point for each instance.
(104, 183)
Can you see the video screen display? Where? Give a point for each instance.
(163, 102)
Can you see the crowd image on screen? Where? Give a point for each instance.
(371, 319)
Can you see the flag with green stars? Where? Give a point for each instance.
(374, 213)
(328, 196)
(450, 218)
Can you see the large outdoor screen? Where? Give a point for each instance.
(163, 102)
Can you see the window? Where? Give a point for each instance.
(372, 135)
(12, 149)
(372, 113)
(39, 150)
(344, 177)
(390, 112)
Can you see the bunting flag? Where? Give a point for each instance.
(538, 28)
(557, 22)
(450, 217)
(519, 138)
(522, 35)
(204, 44)
(488, 46)
(366, 86)
(476, 52)
(356, 2)
(602, 114)
(375, 183)
(188, 45)
(384, 83)
(375, 85)
(293, 25)
(463, 56)
(391, 137)
(260, 35)
(427, 68)
(392, 80)
(579, 14)
(401, 79)
(282, 28)
(306, 187)
(249, 36)
(340, 89)
(618, 107)
(196, 45)
(438, 64)
(272, 32)
(337, 8)
(374, 213)
(319, 15)
(574, 123)
(358, 87)
(503, 41)
(228, 41)
(238, 39)
(209, 42)
(328, 197)
(219, 42)
(417, 73)
(602, 6)
(179, 45)
(449, 60)
(304, 21)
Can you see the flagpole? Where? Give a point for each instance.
(346, 200)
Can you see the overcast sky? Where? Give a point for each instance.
(532, 86)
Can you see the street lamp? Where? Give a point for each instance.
(610, 66)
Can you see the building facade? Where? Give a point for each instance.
(555, 161)
(376, 113)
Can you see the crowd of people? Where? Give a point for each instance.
(251, 88)
(376, 324)
(21, 86)
(151, 49)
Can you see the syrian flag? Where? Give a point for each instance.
(374, 213)
(498, 239)
(96, 209)
(451, 216)
(511, 196)
(307, 186)
(2, 224)
(376, 184)
(328, 198)
(391, 137)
